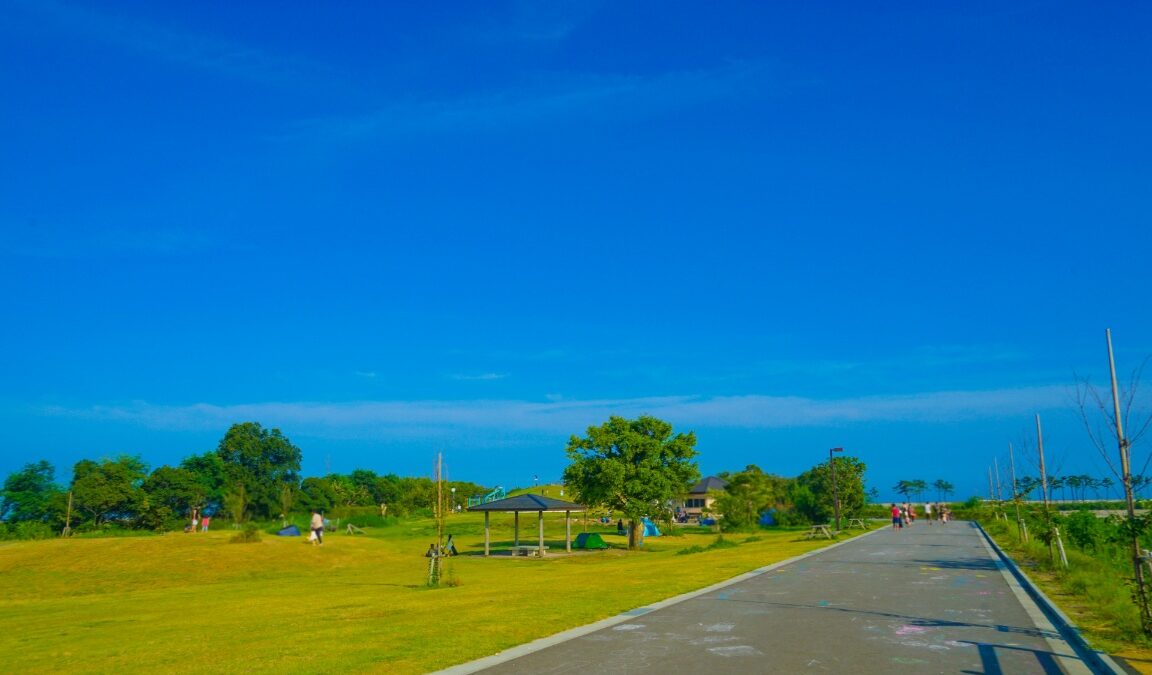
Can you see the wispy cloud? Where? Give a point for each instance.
(410, 418)
(189, 48)
(57, 242)
(585, 97)
(482, 377)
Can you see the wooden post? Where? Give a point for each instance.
(68, 518)
(1044, 488)
(540, 532)
(1043, 475)
(567, 531)
(1129, 498)
(487, 538)
(1023, 531)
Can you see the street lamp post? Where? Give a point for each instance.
(835, 487)
(453, 499)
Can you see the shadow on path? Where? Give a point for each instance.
(910, 620)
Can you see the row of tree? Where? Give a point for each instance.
(1079, 486)
(914, 489)
(640, 468)
(807, 498)
(252, 473)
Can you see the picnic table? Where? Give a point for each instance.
(818, 530)
(529, 549)
(857, 522)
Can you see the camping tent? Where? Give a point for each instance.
(290, 531)
(589, 540)
(650, 528)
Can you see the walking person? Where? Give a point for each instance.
(928, 512)
(896, 521)
(318, 527)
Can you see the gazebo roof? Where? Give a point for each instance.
(528, 502)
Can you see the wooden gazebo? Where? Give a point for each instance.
(529, 502)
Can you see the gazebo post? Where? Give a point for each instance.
(567, 531)
(540, 519)
(487, 537)
(516, 528)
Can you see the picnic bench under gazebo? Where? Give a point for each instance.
(529, 502)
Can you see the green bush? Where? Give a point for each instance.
(32, 529)
(249, 535)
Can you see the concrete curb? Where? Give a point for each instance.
(544, 642)
(1099, 662)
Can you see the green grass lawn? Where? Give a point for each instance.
(198, 603)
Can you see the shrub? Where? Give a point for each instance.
(249, 535)
(33, 529)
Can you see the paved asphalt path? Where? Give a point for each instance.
(926, 599)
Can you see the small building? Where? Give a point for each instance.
(699, 498)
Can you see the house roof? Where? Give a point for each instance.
(709, 483)
(528, 502)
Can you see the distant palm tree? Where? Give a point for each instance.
(943, 489)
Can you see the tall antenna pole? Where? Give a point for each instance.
(1126, 476)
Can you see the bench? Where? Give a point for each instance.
(532, 549)
(817, 531)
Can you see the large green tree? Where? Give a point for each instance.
(261, 460)
(170, 494)
(749, 494)
(813, 490)
(109, 489)
(31, 494)
(633, 466)
(211, 479)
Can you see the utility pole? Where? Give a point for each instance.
(68, 518)
(1043, 475)
(999, 487)
(1016, 496)
(835, 487)
(1126, 476)
(1055, 536)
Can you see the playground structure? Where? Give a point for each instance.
(496, 493)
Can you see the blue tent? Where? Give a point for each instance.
(650, 528)
(768, 518)
(290, 531)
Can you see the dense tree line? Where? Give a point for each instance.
(1079, 487)
(805, 499)
(253, 473)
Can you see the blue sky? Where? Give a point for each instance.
(477, 228)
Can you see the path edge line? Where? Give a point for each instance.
(629, 615)
(1100, 662)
